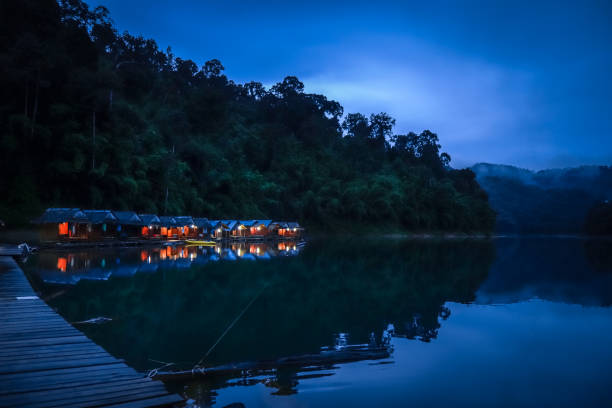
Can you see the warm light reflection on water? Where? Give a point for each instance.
(70, 266)
(507, 322)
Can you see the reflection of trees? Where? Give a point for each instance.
(599, 254)
(353, 287)
(570, 270)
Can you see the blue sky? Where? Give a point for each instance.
(523, 82)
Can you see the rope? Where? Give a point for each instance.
(197, 366)
(154, 371)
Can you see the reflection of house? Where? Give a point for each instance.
(62, 224)
(151, 226)
(71, 267)
(101, 225)
(128, 224)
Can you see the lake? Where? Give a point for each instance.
(470, 323)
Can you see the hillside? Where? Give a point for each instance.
(548, 201)
(93, 118)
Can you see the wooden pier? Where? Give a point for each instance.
(45, 362)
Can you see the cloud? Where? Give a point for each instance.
(470, 103)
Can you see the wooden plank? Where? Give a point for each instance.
(68, 372)
(46, 362)
(108, 394)
(57, 350)
(51, 382)
(66, 385)
(54, 365)
(83, 389)
(45, 342)
(50, 358)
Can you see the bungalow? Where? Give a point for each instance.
(260, 228)
(203, 226)
(168, 227)
(221, 228)
(241, 229)
(62, 224)
(128, 224)
(99, 226)
(289, 230)
(150, 227)
(186, 227)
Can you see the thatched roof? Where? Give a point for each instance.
(59, 215)
(100, 216)
(265, 223)
(127, 218)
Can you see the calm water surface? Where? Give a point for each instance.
(478, 323)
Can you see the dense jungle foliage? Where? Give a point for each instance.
(93, 118)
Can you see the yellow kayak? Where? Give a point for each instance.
(200, 243)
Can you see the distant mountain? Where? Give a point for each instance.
(548, 201)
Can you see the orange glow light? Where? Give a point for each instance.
(62, 263)
(63, 228)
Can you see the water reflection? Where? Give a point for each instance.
(179, 300)
(69, 267)
(324, 296)
(569, 270)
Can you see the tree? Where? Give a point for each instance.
(213, 68)
(291, 86)
(93, 118)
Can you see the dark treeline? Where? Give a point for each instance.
(553, 201)
(93, 118)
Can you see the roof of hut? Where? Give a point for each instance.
(58, 215)
(202, 222)
(127, 218)
(281, 224)
(293, 225)
(100, 216)
(166, 221)
(265, 223)
(149, 219)
(184, 220)
(230, 224)
(248, 223)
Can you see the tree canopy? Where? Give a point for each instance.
(93, 118)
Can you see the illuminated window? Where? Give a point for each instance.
(63, 228)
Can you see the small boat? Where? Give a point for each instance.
(200, 243)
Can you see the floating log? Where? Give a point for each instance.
(326, 357)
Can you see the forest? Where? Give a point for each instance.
(90, 117)
(554, 201)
